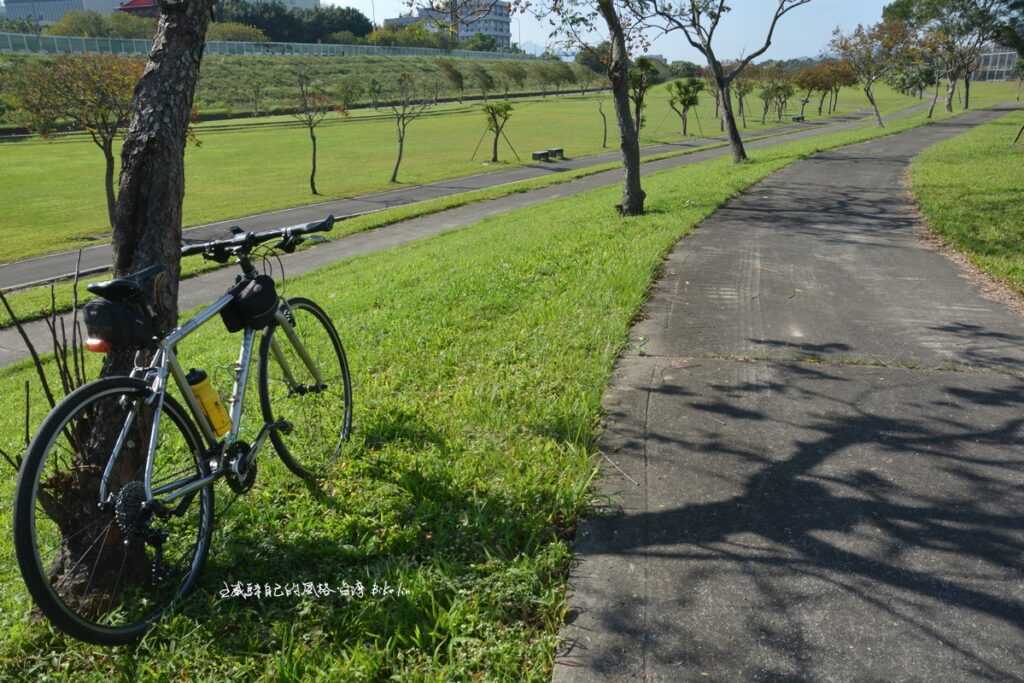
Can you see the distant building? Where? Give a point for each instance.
(478, 17)
(141, 8)
(50, 11)
(996, 64)
(293, 4)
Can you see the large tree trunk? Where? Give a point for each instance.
(950, 92)
(152, 186)
(821, 104)
(494, 147)
(739, 153)
(618, 73)
(146, 232)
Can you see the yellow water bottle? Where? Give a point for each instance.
(209, 401)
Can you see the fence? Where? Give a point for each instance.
(27, 42)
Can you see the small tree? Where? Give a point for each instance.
(374, 88)
(453, 75)
(497, 114)
(577, 21)
(684, 96)
(640, 81)
(482, 78)
(511, 74)
(406, 106)
(255, 89)
(698, 21)
(872, 52)
(350, 90)
(312, 107)
(604, 124)
(92, 92)
(784, 91)
(743, 85)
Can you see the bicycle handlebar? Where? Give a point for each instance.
(243, 242)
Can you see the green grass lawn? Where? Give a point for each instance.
(479, 361)
(57, 185)
(971, 190)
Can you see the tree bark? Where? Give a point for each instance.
(967, 91)
(874, 105)
(152, 183)
(146, 232)
(604, 127)
(108, 181)
(398, 160)
(618, 73)
(312, 171)
(494, 147)
(935, 100)
(821, 103)
(739, 152)
(950, 92)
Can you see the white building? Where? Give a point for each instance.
(479, 16)
(50, 11)
(996, 64)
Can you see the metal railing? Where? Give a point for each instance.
(39, 44)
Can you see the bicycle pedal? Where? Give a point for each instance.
(284, 427)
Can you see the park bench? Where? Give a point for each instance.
(542, 156)
(798, 119)
(556, 153)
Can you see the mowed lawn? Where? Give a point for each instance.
(53, 189)
(479, 361)
(984, 218)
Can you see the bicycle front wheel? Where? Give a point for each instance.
(104, 570)
(305, 389)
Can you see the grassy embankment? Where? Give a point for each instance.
(971, 192)
(34, 303)
(57, 184)
(479, 359)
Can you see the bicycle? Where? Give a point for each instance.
(144, 464)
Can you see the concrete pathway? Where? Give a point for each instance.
(207, 287)
(814, 448)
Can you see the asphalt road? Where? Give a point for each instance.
(207, 287)
(814, 449)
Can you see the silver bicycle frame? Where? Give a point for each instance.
(165, 362)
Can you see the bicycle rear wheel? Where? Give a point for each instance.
(317, 415)
(105, 573)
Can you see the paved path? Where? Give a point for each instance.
(96, 258)
(207, 287)
(817, 442)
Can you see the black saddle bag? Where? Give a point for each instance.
(254, 304)
(122, 325)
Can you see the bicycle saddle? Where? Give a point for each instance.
(128, 288)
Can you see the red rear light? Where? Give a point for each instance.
(97, 345)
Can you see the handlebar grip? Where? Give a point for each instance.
(323, 226)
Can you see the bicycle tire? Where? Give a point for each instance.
(308, 318)
(26, 544)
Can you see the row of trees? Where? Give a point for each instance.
(920, 44)
(282, 24)
(90, 24)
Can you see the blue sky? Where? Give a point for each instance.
(804, 32)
